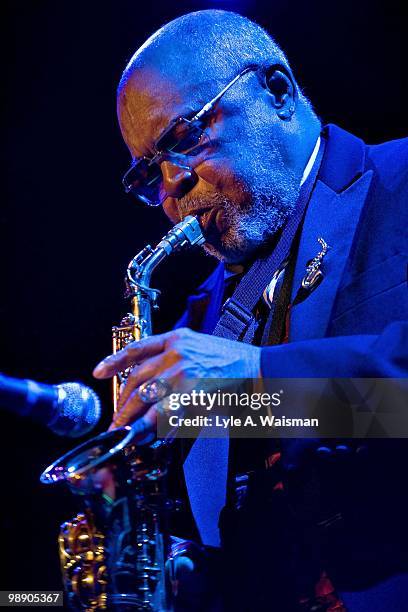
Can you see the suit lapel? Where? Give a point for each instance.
(333, 214)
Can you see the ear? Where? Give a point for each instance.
(282, 88)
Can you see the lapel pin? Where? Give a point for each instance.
(314, 274)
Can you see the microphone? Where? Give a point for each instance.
(69, 409)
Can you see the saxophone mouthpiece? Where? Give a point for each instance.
(186, 233)
(192, 230)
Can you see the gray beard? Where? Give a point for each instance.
(250, 226)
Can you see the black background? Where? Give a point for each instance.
(67, 229)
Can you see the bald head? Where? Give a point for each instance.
(187, 55)
(206, 44)
(259, 136)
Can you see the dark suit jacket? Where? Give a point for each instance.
(353, 325)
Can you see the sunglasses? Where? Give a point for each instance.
(181, 139)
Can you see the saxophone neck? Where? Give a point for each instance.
(141, 267)
(185, 234)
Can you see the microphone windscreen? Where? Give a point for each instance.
(78, 410)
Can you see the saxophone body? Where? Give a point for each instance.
(114, 553)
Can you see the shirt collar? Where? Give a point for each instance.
(311, 161)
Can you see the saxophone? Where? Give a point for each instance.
(116, 553)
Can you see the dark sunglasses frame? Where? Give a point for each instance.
(144, 177)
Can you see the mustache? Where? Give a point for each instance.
(201, 203)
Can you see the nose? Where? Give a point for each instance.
(178, 179)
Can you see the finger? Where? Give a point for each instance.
(145, 424)
(143, 427)
(150, 418)
(138, 375)
(146, 427)
(133, 353)
(134, 407)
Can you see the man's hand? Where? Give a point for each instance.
(176, 357)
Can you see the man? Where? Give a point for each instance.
(257, 169)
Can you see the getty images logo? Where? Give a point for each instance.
(223, 399)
